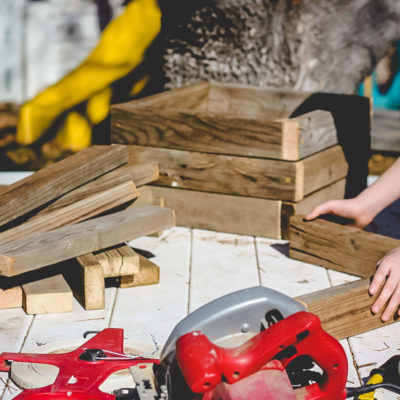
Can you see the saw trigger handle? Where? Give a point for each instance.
(204, 364)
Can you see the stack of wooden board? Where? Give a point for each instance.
(49, 234)
(230, 157)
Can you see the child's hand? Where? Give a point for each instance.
(388, 266)
(350, 209)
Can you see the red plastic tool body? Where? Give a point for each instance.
(204, 365)
(77, 379)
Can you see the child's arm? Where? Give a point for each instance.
(362, 210)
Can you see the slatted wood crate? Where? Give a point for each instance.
(230, 158)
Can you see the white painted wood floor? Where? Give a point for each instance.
(196, 266)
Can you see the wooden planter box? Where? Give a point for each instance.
(230, 158)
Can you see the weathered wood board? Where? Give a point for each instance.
(339, 247)
(72, 213)
(59, 178)
(48, 295)
(344, 310)
(253, 177)
(74, 240)
(241, 214)
(231, 120)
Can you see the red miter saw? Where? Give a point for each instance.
(252, 344)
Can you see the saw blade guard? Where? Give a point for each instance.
(242, 313)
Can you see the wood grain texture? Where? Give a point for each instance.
(149, 274)
(72, 213)
(223, 213)
(57, 179)
(344, 310)
(86, 278)
(119, 261)
(385, 132)
(254, 177)
(342, 248)
(11, 298)
(238, 121)
(49, 295)
(140, 174)
(145, 196)
(323, 168)
(74, 240)
(334, 191)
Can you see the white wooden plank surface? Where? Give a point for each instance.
(156, 309)
(221, 263)
(196, 267)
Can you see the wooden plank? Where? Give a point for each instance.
(344, 310)
(223, 213)
(49, 295)
(334, 191)
(140, 174)
(342, 248)
(145, 197)
(74, 240)
(57, 179)
(72, 213)
(119, 261)
(286, 139)
(149, 274)
(11, 298)
(254, 177)
(85, 276)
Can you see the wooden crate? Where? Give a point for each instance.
(230, 157)
(224, 119)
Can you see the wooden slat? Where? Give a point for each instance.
(57, 179)
(145, 197)
(74, 240)
(222, 133)
(11, 298)
(86, 278)
(149, 274)
(339, 247)
(140, 174)
(119, 261)
(334, 191)
(264, 178)
(49, 295)
(385, 131)
(344, 310)
(74, 212)
(223, 213)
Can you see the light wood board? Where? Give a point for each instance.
(344, 310)
(339, 247)
(74, 240)
(264, 178)
(149, 274)
(11, 298)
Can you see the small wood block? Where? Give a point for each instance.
(119, 261)
(339, 247)
(86, 278)
(244, 176)
(49, 295)
(11, 298)
(149, 274)
(344, 310)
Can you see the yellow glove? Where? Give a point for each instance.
(121, 48)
